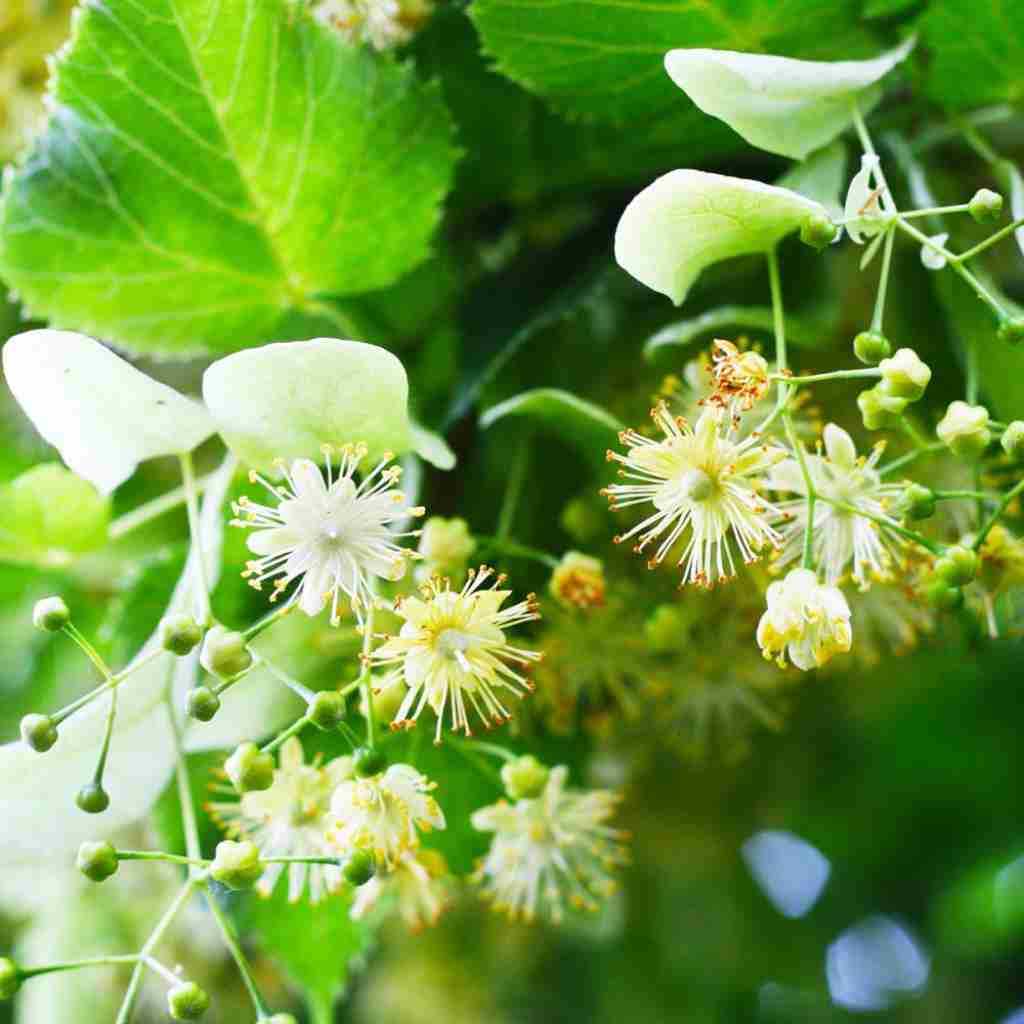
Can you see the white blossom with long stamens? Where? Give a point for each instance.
(452, 650)
(334, 535)
(705, 480)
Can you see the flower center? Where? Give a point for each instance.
(696, 485)
(453, 642)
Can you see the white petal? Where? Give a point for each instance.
(839, 446)
(687, 220)
(932, 259)
(288, 399)
(98, 411)
(785, 106)
(860, 201)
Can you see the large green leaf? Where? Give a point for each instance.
(977, 50)
(210, 169)
(603, 58)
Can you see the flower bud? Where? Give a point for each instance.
(180, 634)
(326, 709)
(39, 732)
(871, 347)
(942, 596)
(359, 868)
(879, 410)
(958, 566)
(904, 375)
(524, 778)
(187, 1001)
(237, 865)
(1013, 439)
(97, 861)
(445, 545)
(985, 205)
(917, 501)
(202, 703)
(964, 429)
(818, 231)
(92, 798)
(225, 653)
(1011, 330)
(249, 769)
(367, 761)
(10, 978)
(578, 581)
(50, 614)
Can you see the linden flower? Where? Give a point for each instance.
(332, 535)
(290, 819)
(554, 850)
(384, 813)
(384, 24)
(703, 478)
(420, 883)
(739, 379)
(452, 649)
(806, 619)
(578, 581)
(841, 534)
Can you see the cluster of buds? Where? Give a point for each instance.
(904, 379)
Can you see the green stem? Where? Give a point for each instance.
(235, 949)
(956, 495)
(915, 435)
(815, 378)
(900, 531)
(89, 651)
(24, 973)
(114, 681)
(301, 860)
(883, 281)
(997, 514)
(468, 751)
(364, 677)
(905, 460)
(293, 684)
(159, 855)
(869, 147)
(495, 751)
(935, 211)
(293, 730)
(516, 550)
(807, 562)
(513, 489)
(108, 734)
(267, 621)
(188, 810)
(152, 509)
(992, 239)
(204, 614)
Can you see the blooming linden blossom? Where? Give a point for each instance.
(384, 24)
(290, 819)
(551, 851)
(703, 478)
(334, 535)
(383, 813)
(421, 884)
(452, 648)
(807, 620)
(839, 535)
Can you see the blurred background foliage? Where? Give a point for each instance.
(901, 766)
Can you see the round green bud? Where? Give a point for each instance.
(39, 732)
(985, 205)
(97, 861)
(50, 614)
(918, 501)
(187, 1001)
(942, 596)
(10, 978)
(237, 865)
(871, 347)
(225, 653)
(818, 231)
(1013, 439)
(879, 410)
(326, 709)
(1011, 330)
(964, 429)
(959, 565)
(202, 703)
(524, 778)
(92, 798)
(180, 634)
(249, 769)
(904, 375)
(366, 761)
(359, 868)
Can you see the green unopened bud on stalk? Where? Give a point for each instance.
(917, 501)
(97, 861)
(225, 653)
(964, 429)
(985, 205)
(326, 709)
(524, 778)
(237, 865)
(879, 410)
(957, 566)
(904, 375)
(818, 231)
(10, 978)
(359, 868)
(180, 634)
(942, 596)
(249, 769)
(50, 614)
(367, 761)
(187, 1001)
(871, 347)
(1011, 330)
(92, 798)
(202, 703)
(39, 732)
(1013, 439)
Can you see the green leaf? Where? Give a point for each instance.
(210, 168)
(594, 429)
(604, 60)
(317, 946)
(976, 52)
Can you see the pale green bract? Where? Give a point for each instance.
(102, 415)
(785, 106)
(820, 177)
(687, 220)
